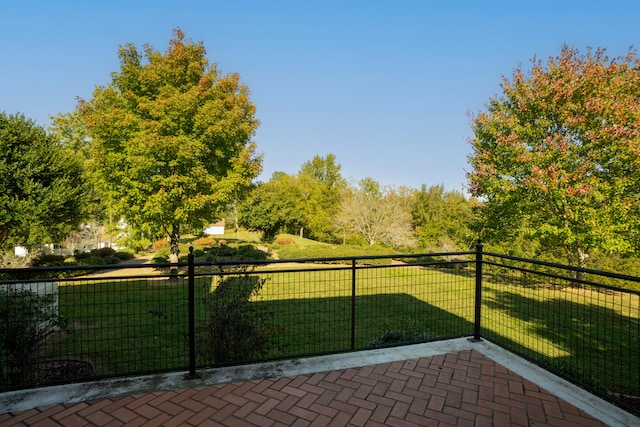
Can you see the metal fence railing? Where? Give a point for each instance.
(567, 320)
(141, 319)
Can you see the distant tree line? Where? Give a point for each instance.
(319, 203)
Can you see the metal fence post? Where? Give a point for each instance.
(192, 314)
(353, 304)
(478, 299)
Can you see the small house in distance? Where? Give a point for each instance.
(215, 228)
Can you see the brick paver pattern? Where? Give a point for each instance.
(461, 389)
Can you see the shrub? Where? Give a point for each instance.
(110, 260)
(223, 251)
(235, 330)
(9, 260)
(249, 253)
(158, 244)
(284, 241)
(160, 259)
(81, 255)
(91, 260)
(204, 241)
(163, 252)
(26, 320)
(45, 260)
(105, 252)
(124, 256)
(137, 244)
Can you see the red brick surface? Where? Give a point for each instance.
(458, 389)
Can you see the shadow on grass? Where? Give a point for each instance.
(140, 326)
(573, 333)
(324, 325)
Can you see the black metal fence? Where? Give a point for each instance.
(141, 319)
(583, 325)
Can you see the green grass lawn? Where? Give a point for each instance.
(140, 325)
(582, 332)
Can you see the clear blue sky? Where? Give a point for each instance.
(386, 86)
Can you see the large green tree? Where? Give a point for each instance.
(321, 185)
(171, 138)
(306, 203)
(556, 158)
(72, 132)
(41, 185)
(273, 207)
(443, 219)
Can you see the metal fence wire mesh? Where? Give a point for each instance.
(579, 324)
(93, 327)
(566, 321)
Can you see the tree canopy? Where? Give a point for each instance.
(557, 156)
(273, 207)
(376, 214)
(321, 186)
(71, 131)
(304, 203)
(442, 218)
(171, 138)
(41, 186)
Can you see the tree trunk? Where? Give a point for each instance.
(582, 262)
(577, 257)
(174, 249)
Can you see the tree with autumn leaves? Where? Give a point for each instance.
(171, 138)
(556, 158)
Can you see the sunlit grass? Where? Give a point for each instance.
(126, 326)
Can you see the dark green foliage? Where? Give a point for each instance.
(26, 320)
(101, 256)
(160, 259)
(124, 256)
(104, 256)
(41, 185)
(443, 219)
(92, 260)
(245, 252)
(48, 260)
(236, 329)
(105, 252)
(305, 203)
(272, 207)
(331, 251)
(249, 253)
(198, 252)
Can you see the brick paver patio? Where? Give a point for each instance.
(464, 388)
